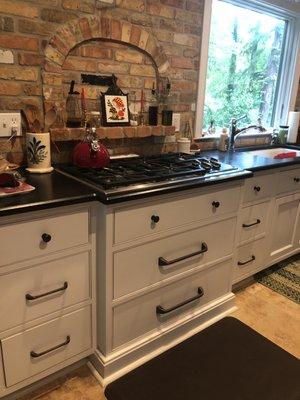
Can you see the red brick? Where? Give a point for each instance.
(135, 35)
(136, 5)
(157, 131)
(143, 131)
(182, 62)
(129, 131)
(56, 15)
(105, 28)
(30, 59)
(173, 3)
(195, 6)
(18, 42)
(135, 57)
(18, 73)
(6, 24)
(183, 86)
(50, 66)
(19, 8)
(169, 130)
(85, 28)
(154, 7)
(10, 88)
(36, 27)
(142, 70)
(87, 6)
(93, 51)
(59, 45)
(32, 89)
(116, 29)
(78, 64)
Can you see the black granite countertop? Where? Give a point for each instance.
(243, 159)
(52, 190)
(55, 189)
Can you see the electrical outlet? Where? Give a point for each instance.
(10, 124)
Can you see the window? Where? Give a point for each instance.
(252, 55)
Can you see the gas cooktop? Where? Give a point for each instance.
(141, 176)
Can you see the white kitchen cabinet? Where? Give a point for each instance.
(48, 293)
(145, 264)
(285, 221)
(273, 231)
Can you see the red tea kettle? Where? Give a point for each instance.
(90, 153)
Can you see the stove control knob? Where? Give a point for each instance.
(215, 204)
(155, 218)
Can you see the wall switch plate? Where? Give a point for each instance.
(193, 107)
(10, 124)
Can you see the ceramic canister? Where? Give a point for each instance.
(38, 152)
(184, 145)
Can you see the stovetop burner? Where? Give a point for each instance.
(140, 170)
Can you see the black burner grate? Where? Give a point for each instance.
(139, 170)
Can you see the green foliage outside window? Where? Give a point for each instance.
(243, 66)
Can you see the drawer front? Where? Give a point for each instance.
(23, 353)
(141, 315)
(25, 240)
(156, 261)
(288, 181)
(258, 187)
(67, 282)
(250, 258)
(131, 223)
(252, 221)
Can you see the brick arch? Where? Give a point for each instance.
(75, 32)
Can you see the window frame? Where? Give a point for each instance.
(289, 83)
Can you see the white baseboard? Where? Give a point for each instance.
(116, 364)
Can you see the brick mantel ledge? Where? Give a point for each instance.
(66, 134)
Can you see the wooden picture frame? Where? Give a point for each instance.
(114, 106)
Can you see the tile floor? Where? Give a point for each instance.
(269, 313)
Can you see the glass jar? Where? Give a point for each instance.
(282, 134)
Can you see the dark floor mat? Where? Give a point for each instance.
(227, 361)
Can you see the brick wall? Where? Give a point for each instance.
(26, 27)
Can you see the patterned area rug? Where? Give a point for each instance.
(283, 277)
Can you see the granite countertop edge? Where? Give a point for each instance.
(56, 189)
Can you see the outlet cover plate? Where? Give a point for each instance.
(8, 121)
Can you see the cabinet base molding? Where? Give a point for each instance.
(120, 362)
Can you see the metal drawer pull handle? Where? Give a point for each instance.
(29, 296)
(215, 204)
(163, 262)
(254, 223)
(33, 354)
(161, 310)
(296, 179)
(257, 188)
(246, 262)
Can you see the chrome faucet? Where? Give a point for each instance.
(234, 132)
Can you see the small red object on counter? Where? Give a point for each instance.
(290, 154)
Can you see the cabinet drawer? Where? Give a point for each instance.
(28, 353)
(67, 281)
(140, 315)
(250, 259)
(252, 221)
(258, 187)
(25, 240)
(288, 181)
(134, 222)
(156, 261)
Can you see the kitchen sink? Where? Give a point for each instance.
(271, 153)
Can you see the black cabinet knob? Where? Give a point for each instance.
(296, 179)
(215, 204)
(46, 237)
(155, 218)
(257, 188)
